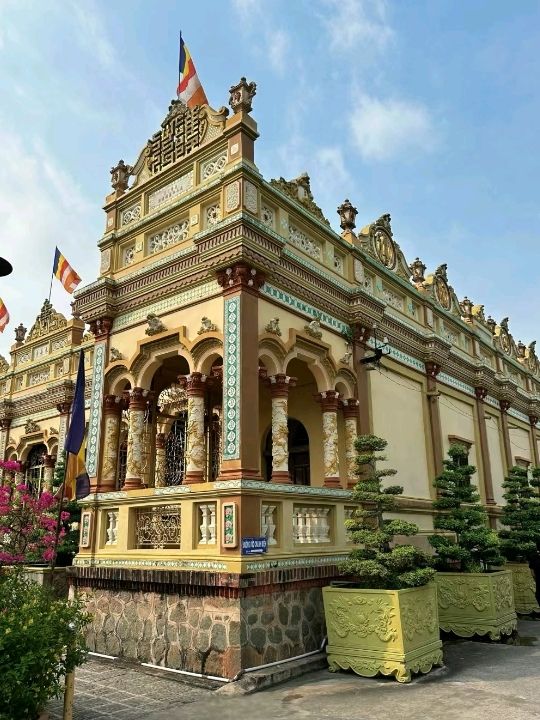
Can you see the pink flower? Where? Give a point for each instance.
(48, 554)
(64, 515)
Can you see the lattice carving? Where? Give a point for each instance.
(46, 322)
(181, 133)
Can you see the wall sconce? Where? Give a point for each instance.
(379, 350)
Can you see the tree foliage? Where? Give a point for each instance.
(41, 639)
(378, 563)
(521, 515)
(468, 544)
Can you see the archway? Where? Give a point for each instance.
(299, 468)
(35, 467)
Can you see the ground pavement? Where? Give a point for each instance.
(480, 681)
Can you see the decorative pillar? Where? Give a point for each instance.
(279, 391)
(350, 415)
(241, 441)
(112, 411)
(195, 386)
(5, 424)
(48, 473)
(134, 469)
(19, 478)
(481, 394)
(329, 405)
(161, 459)
(533, 420)
(64, 410)
(432, 370)
(505, 406)
(360, 337)
(100, 329)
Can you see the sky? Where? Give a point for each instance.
(428, 110)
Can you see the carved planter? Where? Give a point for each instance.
(476, 603)
(524, 588)
(393, 632)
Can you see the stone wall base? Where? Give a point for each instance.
(226, 626)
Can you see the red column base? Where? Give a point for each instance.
(281, 476)
(332, 482)
(193, 476)
(133, 484)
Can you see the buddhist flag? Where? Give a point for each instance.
(190, 89)
(64, 272)
(4, 316)
(77, 482)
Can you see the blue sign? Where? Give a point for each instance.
(254, 545)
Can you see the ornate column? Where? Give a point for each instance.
(481, 394)
(533, 421)
(350, 415)
(241, 441)
(112, 412)
(161, 460)
(5, 424)
(432, 370)
(19, 474)
(279, 391)
(48, 473)
(134, 469)
(195, 386)
(100, 329)
(64, 410)
(505, 406)
(329, 406)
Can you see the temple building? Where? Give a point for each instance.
(238, 346)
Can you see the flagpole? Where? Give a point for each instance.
(50, 287)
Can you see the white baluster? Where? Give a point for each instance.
(212, 525)
(203, 527)
(325, 526)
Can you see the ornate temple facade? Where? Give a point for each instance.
(239, 345)
(36, 391)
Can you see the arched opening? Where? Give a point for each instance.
(35, 467)
(298, 453)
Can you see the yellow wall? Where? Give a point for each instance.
(398, 416)
(520, 443)
(496, 455)
(458, 420)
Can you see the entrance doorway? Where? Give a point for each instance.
(298, 453)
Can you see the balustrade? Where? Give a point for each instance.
(207, 527)
(158, 527)
(268, 523)
(111, 530)
(311, 524)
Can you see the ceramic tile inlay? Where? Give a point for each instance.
(231, 379)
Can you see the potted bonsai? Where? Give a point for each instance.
(384, 619)
(475, 596)
(521, 536)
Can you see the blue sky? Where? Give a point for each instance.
(427, 109)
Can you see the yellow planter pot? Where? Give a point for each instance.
(524, 588)
(393, 632)
(476, 603)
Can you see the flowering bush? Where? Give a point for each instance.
(28, 526)
(41, 639)
(10, 465)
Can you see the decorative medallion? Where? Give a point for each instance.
(442, 292)
(385, 248)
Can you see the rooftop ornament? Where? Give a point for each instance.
(347, 215)
(120, 175)
(418, 270)
(20, 334)
(242, 96)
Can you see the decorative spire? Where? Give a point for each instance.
(417, 269)
(347, 215)
(242, 96)
(120, 176)
(20, 334)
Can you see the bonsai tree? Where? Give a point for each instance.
(378, 563)
(521, 516)
(472, 547)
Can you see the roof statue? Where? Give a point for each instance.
(299, 189)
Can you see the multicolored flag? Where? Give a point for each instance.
(64, 272)
(4, 316)
(189, 89)
(76, 480)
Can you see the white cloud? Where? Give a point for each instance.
(93, 35)
(247, 8)
(273, 42)
(277, 44)
(385, 128)
(360, 25)
(41, 206)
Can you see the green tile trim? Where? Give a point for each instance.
(96, 403)
(296, 562)
(301, 306)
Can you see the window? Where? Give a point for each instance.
(34, 468)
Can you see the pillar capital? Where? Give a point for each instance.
(194, 384)
(279, 384)
(5, 423)
(240, 276)
(138, 397)
(350, 408)
(504, 404)
(64, 407)
(432, 368)
(161, 440)
(112, 405)
(533, 419)
(101, 327)
(481, 393)
(329, 400)
(48, 461)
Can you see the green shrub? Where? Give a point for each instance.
(35, 630)
(376, 564)
(472, 546)
(521, 516)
